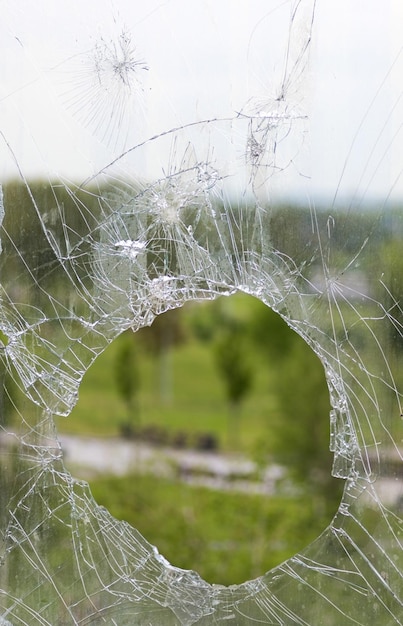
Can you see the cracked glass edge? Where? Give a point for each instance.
(124, 248)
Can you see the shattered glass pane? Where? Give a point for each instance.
(150, 155)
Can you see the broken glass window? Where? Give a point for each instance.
(150, 156)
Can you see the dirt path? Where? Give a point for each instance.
(87, 457)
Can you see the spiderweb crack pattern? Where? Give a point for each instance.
(82, 262)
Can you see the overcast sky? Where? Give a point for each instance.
(199, 60)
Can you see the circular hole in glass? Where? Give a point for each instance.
(209, 433)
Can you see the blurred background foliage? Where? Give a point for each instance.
(227, 376)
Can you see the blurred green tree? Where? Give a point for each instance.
(166, 332)
(127, 378)
(231, 353)
(300, 428)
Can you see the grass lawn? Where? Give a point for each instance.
(187, 396)
(226, 537)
